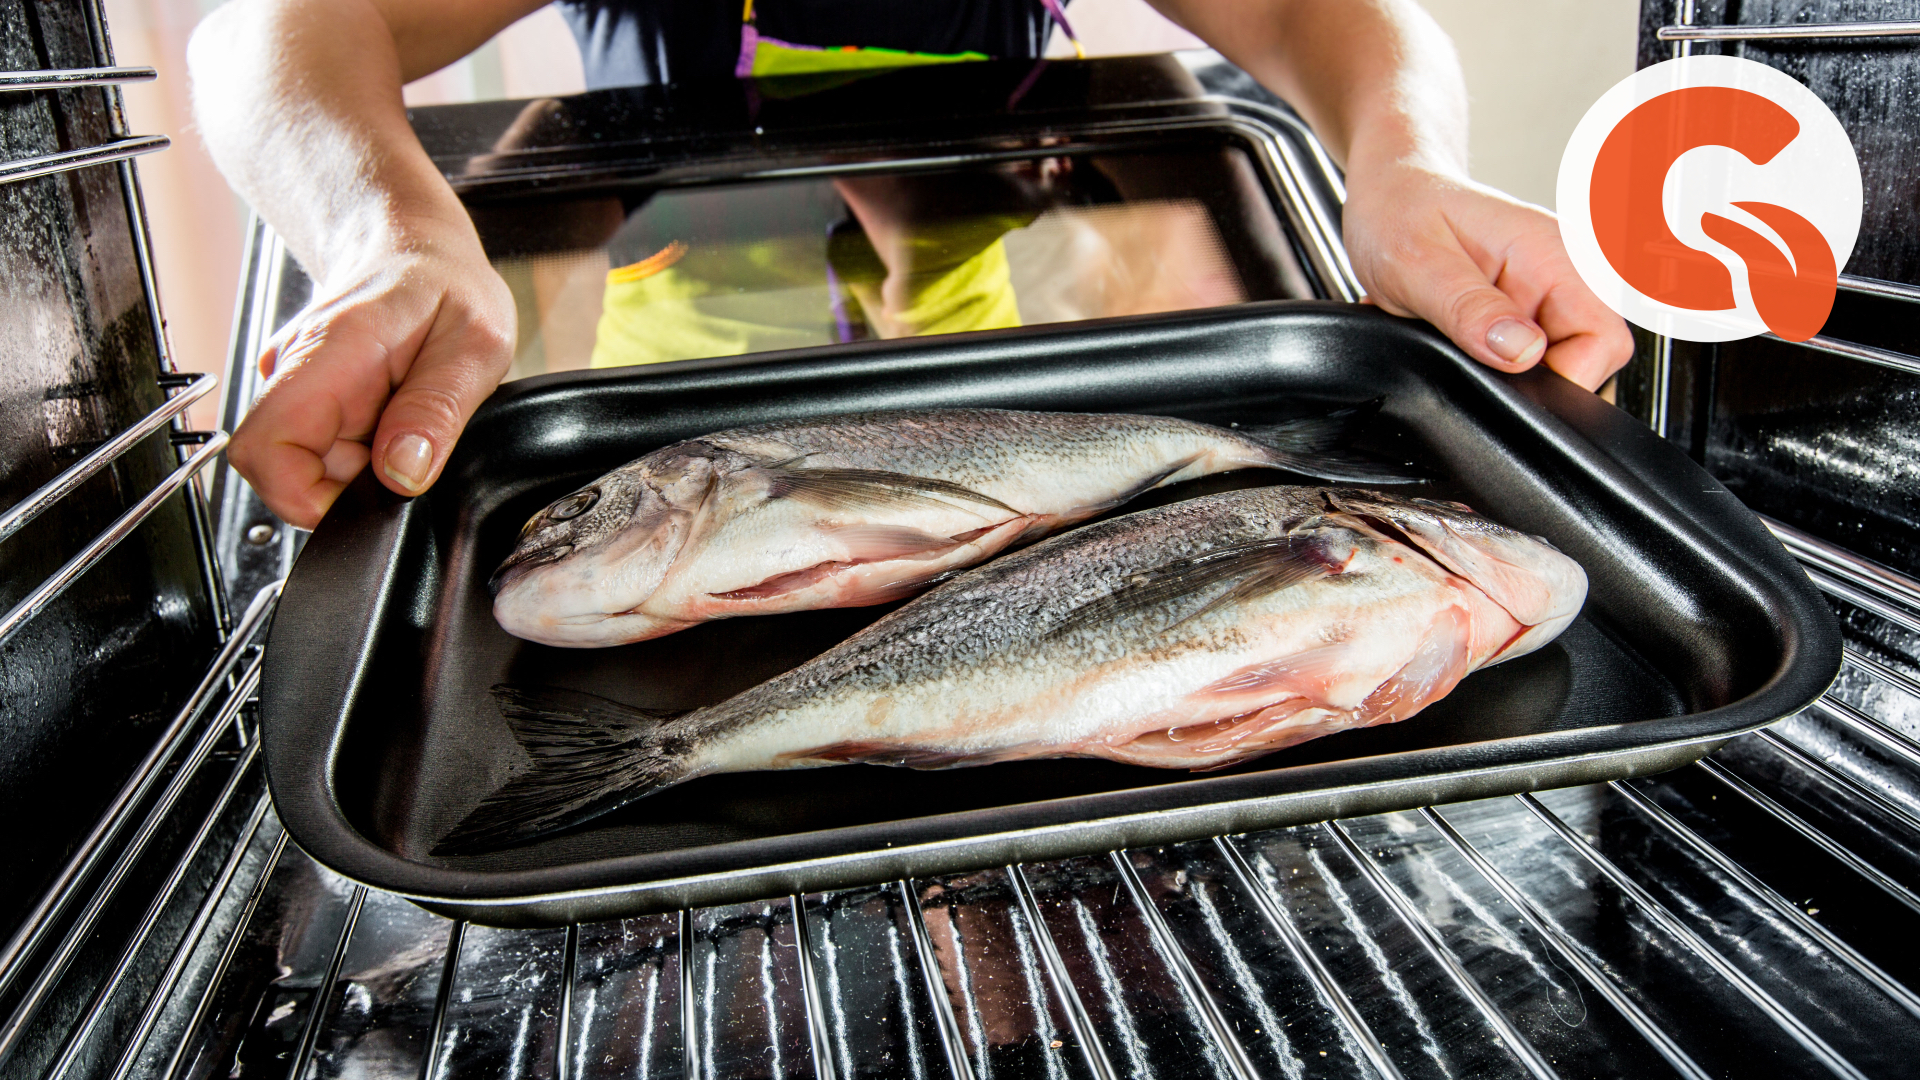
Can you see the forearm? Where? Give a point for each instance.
(1376, 79)
(299, 102)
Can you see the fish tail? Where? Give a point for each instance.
(590, 755)
(1313, 446)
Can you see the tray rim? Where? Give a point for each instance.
(1810, 645)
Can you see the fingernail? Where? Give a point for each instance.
(408, 459)
(1516, 342)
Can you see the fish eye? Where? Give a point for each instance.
(573, 505)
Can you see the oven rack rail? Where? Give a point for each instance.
(181, 390)
(1725, 917)
(1686, 31)
(80, 938)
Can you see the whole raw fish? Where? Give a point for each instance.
(855, 511)
(1195, 635)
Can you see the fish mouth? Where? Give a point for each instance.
(520, 563)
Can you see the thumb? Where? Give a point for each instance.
(459, 364)
(1453, 293)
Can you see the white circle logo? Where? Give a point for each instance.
(1711, 198)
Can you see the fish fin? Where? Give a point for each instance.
(899, 755)
(1429, 674)
(590, 755)
(1141, 488)
(866, 544)
(881, 543)
(911, 585)
(852, 489)
(1309, 445)
(1306, 673)
(1262, 567)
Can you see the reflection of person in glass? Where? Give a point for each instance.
(410, 328)
(910, 255)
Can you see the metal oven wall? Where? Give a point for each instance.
(1729, 918)
(1822, 435)
(86, 684)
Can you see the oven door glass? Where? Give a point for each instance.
(661, 275)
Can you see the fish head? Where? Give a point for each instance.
(1540, 587)
(586, 564)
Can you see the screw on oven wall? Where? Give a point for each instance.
(261, 534)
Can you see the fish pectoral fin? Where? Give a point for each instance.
(1307, 673)
(865, 489)
(865, 545)
(1261, 567)
(792, 581)
(1208, 744)
(880, 543)
(1433, 671)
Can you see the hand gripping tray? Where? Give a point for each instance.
(380, 733)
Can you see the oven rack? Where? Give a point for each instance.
(1686, 31)
(137, 868)
(1731, 914)
(1757, 885)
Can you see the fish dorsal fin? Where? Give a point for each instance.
(853, 489)
(1262, 567)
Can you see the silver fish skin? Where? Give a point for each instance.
(1196, 635)
(855, 511)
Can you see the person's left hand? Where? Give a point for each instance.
(1488, 270)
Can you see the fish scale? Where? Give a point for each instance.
(855, 511)
(1195, 635)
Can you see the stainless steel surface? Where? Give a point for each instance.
(818, 1038)
(1786, 31)
(47, 974)
(1430, 937)
(1718, 920)
(1662, 379)
(76, 474)
(1877, 287)
(66, 890)
(48, 164)
(1353, 1026)
(1836, 561)
(177, 966)
(1315, 216)
(1882, 357)
(163, 897)
(947, 1026)
(1572, 934)
(108, 922)
(37, 600)
(61, 80)
(1669, 922)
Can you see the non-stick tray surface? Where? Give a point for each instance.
(380, 733)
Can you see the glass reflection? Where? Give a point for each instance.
(744, 268)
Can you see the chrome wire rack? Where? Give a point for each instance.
(91, 953)
(1740, 917)
(1743, 916)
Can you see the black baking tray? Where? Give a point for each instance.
(380, 734)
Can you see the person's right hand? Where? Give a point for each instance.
(388, 362)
